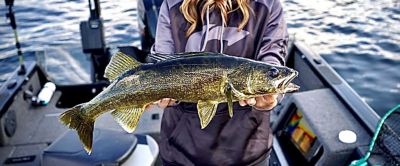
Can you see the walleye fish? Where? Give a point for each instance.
(203, 78)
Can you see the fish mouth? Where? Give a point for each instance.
(286, 83)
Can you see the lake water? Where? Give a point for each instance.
(360, 39)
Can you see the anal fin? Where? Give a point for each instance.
(128, 118)
(206, 111)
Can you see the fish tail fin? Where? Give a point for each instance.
(74, 119)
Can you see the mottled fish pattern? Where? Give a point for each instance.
(199, 77)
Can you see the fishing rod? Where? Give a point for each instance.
(13, 24)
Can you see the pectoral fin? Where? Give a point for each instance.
(206, 111)
(128, 118)
(119, 64)
(228, 93)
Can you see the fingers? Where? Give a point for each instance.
(165, 102)
(173, 102)
(260, 101)
(250, 102)
(268, 99)
(242, 103)
(148, 106)
(266, 102)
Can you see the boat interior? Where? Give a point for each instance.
(324, 123)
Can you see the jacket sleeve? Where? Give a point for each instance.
(275, 37)
(163, 42)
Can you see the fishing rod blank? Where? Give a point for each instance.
(13, 24)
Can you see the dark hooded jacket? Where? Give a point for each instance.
(246, 138)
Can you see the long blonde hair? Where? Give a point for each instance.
(189, 11)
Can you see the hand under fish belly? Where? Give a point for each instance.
(203, 78)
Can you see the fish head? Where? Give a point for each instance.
(271, 79)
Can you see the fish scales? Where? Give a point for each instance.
(205, 78)
(155, 83)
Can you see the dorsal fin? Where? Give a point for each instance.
(119, 64)
(162, 57)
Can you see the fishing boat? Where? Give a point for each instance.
(325, 123)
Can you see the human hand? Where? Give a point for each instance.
(165, 102)
(262, 103)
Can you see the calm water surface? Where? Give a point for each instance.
(359, 38)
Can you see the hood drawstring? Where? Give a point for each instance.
(222, 34)
(208, 29)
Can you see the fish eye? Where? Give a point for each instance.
(273, 72)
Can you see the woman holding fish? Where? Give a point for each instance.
(253, 29)
(226, 70)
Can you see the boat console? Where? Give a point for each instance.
(317, 126)
(310, 130)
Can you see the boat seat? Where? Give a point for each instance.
(109, 147)
(145, 153)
